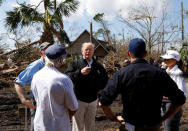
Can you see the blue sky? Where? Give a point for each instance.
(88, 8)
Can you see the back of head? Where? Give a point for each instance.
(137, 47)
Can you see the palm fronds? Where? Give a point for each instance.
(66, 8)
(23, 15)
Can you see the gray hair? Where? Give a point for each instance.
(54, 62)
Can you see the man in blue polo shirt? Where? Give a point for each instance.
(142, 87)
(25, 77)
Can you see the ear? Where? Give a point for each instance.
(128, 54)
(42, 53)
(145, 53)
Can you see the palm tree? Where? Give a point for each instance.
(52, 19)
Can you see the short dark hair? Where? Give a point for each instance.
(138, 54)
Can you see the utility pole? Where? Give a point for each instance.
(182, 26)
(91, 31)
(163, 32)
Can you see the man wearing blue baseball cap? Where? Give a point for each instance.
(53, 92)
(142, 87)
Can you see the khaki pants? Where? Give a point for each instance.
(84, 119)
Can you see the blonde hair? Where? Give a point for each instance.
(87, 44)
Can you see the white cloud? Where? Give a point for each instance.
(36, 3)
(111, 8)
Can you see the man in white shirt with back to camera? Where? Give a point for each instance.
(53, 92)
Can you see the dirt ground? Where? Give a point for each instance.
(12, 115)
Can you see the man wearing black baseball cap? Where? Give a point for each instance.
(142, 87)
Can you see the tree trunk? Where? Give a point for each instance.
(47, 36)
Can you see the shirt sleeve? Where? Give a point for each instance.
(104, 78)
(25, 77)
(111, 90)
(73, 71)
(70, 98)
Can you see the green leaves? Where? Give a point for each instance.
(66, 8)
(98, 17)
(22, 16)
(52, 19)
(184, 53)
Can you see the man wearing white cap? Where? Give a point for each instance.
(53, 92)
(171, 58)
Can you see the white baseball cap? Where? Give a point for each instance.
(171, 54)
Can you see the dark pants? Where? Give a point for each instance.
(150, 128)
(172, 124)
(144, 128)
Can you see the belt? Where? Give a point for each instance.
(148, 127)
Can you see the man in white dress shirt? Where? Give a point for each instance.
(53, 92)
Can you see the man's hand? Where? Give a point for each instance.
(24, 101)
(71, 113)
(108, 112)
(165, 98)
(120, 119)
(86, 70)
(28, 104)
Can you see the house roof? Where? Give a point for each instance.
(100, 42)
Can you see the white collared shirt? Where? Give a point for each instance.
(54, 95)
(90, 62)
(176, 74)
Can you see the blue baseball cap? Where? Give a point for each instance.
(137, 45)
(55, 51)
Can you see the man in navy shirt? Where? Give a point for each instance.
(142, 87)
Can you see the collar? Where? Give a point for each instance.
(90, 62)
(173, 69)
(139, 61)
